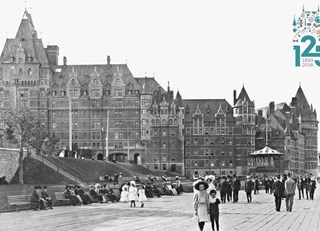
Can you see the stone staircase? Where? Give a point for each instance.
(69, 173)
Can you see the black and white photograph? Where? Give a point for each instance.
(162, 115)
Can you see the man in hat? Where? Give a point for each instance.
(290, 187)
(278, 191)
(249, 185)
(46, 197)
(313, 186)
(236, 188)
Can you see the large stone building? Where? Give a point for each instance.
(127, 119)
(292, 130)
(219, 137)
(99, 107)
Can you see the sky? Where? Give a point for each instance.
(205, 48)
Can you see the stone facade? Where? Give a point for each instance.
(129, 119)
(292, 130)
(99, 107)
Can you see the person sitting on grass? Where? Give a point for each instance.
(37, 200)
(46, 197)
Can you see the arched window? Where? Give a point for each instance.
(175, 121)
(95, 82)
(164, 122)
(170, 121)
(118, 81)
(152, 122)
(158, 122)
(73, 82)
(29, 71)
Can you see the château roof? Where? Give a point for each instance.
(208, 107)
(27, 36)
(149, 85)
(84, 73)
(243, 96)
(302, 100)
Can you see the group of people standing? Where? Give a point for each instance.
(131, 193)
(205, 202)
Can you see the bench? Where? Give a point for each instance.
(60, 199)
(20, 202)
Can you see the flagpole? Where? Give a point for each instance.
(107, 137)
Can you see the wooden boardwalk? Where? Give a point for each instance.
(169, 213)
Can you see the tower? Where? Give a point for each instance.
(244, 113)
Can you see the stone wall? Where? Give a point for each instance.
(9, 162)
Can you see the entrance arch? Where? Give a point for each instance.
(117, 157)
(137, 159)
(100, 156)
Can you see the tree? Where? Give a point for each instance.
(23, 128)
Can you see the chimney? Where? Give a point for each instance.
(294, 102)
(64, 61)
(108, 61)
(271, 107)
(287, 129)
(53, 54)
(234, 97)
(260, 117)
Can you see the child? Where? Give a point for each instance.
(133, 197)
(124, 193)
(214, 209)
(142, 195)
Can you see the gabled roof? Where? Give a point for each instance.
(243, 96)
(302, 100)
(84, 73)
(149, 85)
(179, 100)
(209, 107)
(27, 38)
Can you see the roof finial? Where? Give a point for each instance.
(145, 74)
(126, 61)
(154, 75)
(303, 8)
(25, 5)
(168, 84)
(299, 84)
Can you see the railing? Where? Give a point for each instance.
(59, 168)
(58, 162)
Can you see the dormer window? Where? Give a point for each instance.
(129, 92)
(117, 82)
(29, 59)
(12, 59)
(29, 71)
(20, 60)
(73, 82)
(95, 82)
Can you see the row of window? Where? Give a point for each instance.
(311, 165)
(155, 132)
(209, 152)
(164, 122)
(207, 163)
(96, 103)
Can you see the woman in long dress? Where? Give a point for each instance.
(133, 194)
(124, 193)
(142, 195)
(201, 203)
